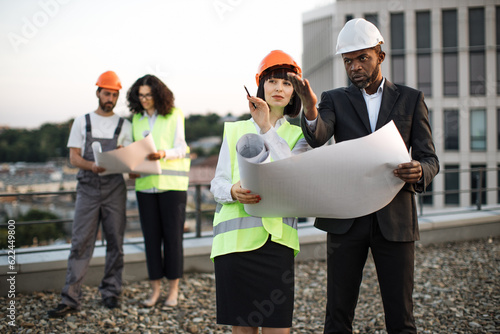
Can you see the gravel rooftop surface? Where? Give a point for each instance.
(457, 290)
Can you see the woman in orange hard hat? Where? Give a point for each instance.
(253, 256)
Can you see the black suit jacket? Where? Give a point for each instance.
(343, 115)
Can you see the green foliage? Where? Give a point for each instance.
(39, 145)
(50, 140)
(25, 234)
(244, 117)
(199, 126)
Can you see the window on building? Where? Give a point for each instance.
(498, 129)
(477, 57)
(427, 197)
(349, 17)
(450, 37)
(478, 130)
(497, 19)
(477, 71)
(398, 48)
(478, 177)
(476, 27)
(424, 73)
(451, 130)
(450, 52)
(398, 69)
(498, 183)
(498, 70)
(373, 18)
(424, 59)
(318, 39)
(451, 185)
(450, 74)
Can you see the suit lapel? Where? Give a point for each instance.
(359, 104)
(389, 98)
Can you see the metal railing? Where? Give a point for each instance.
(478, 176)
(478, 193)
(197, 212)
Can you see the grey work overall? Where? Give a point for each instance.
(98, 199)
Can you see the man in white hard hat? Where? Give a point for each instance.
(390, 233)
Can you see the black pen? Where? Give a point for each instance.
(254, 106)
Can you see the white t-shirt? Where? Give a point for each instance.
(102, 127)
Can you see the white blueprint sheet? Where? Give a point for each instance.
(344, 180)
(128, 159)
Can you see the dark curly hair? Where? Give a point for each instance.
(291, 110)
(162, 95)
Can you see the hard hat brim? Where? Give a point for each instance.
(347, 50)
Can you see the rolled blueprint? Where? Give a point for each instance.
(252, 148)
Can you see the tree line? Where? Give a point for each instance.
(49, 140)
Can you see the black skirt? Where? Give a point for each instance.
(256, 288)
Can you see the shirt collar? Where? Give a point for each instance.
(145, 114)
(379, 91)
(279, 122)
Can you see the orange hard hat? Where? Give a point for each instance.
(109, 80)
(276, 58)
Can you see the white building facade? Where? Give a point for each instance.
(450, 50)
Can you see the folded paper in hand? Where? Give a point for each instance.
(345, 180)
(129, 159)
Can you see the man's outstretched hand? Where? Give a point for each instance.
(303, 89)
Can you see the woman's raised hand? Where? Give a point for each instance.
(260, 113)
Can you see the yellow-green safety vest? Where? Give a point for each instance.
(174, 172)
(236, 231)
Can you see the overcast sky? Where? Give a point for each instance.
(52, 51)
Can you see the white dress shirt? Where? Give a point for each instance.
(373, 102)
(279, 149)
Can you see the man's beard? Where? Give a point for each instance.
(107, 107)
(367, 82)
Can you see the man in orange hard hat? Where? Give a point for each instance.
(390, 233)
(99, 199)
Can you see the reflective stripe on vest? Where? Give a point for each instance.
(174, 172)
(247, 222)
(236, 231)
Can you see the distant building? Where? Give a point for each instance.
(203, 170)
(450, 50)
(21, 177)
(229, 118)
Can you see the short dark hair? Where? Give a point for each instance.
(291, 110)
(378, 48)
(162, 95)
(101, 88)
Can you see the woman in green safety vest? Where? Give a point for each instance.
(161, 198)
(253, 256)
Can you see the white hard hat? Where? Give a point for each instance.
(358, 34)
